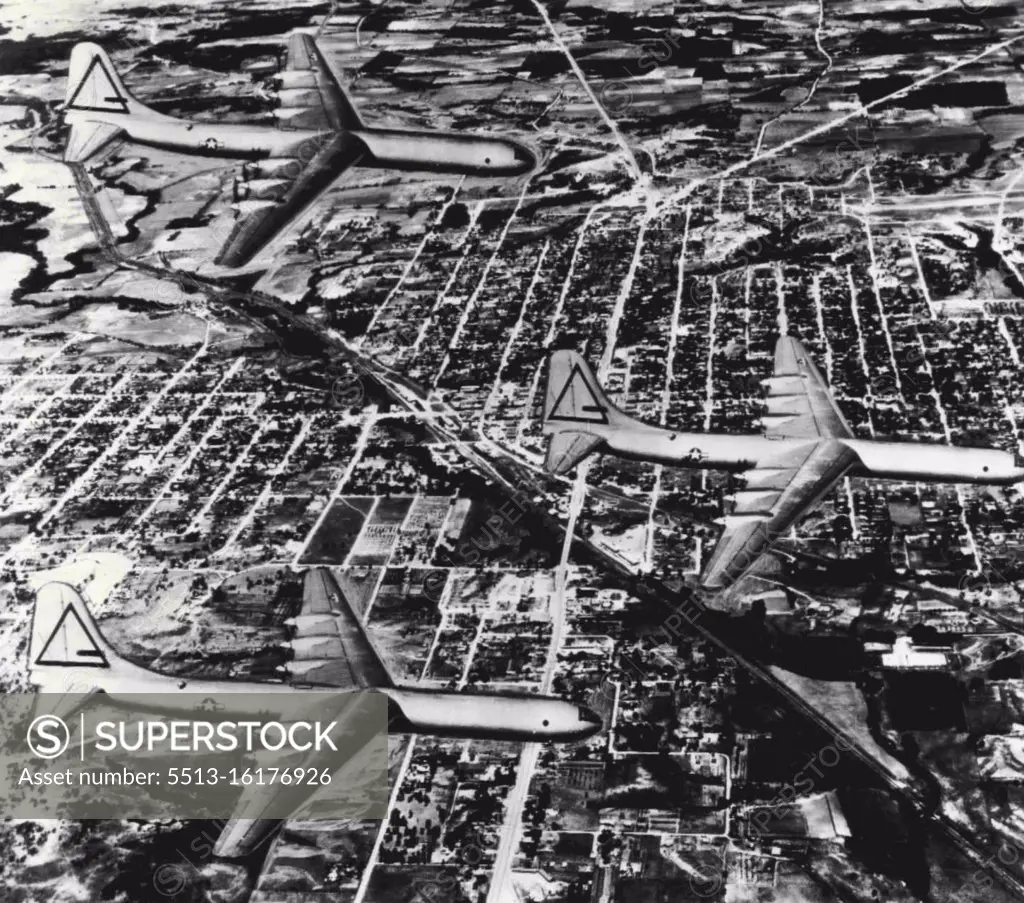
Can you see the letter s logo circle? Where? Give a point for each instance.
(44, 736)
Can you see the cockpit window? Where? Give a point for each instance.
(590, 716)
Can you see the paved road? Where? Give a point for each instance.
(501, 889)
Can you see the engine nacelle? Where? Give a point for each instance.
(261, 189)
(751, 501)
(766, 478)
(272, 168)
(768, 421)
(741, 520)
(296, 78)
(316, 647)
(245, 208)
(303, 668)
(786, 404)
(783, 385)
(299, 97)
(296, 117)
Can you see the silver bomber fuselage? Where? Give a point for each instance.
(486, 716)
(442, 152)
(908, 461)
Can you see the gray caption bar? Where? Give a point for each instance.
(281, 754)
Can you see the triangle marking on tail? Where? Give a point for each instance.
(71, 644)
(577, 402)
(102, 95)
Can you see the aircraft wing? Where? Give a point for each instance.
(777, 493)
(310, 95)
(351, 787)
(798, 402)
(258, 221)
(330, 645)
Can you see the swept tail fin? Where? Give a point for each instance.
(577, 414)
(94, 101)
(67, 650)
(94, 85)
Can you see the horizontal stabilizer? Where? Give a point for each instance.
(567, 449)
(91, 139)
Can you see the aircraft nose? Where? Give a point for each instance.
(590, 721)
(525, 159)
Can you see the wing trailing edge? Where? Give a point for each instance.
(330, 643)
(759, 519)
(306, 71)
